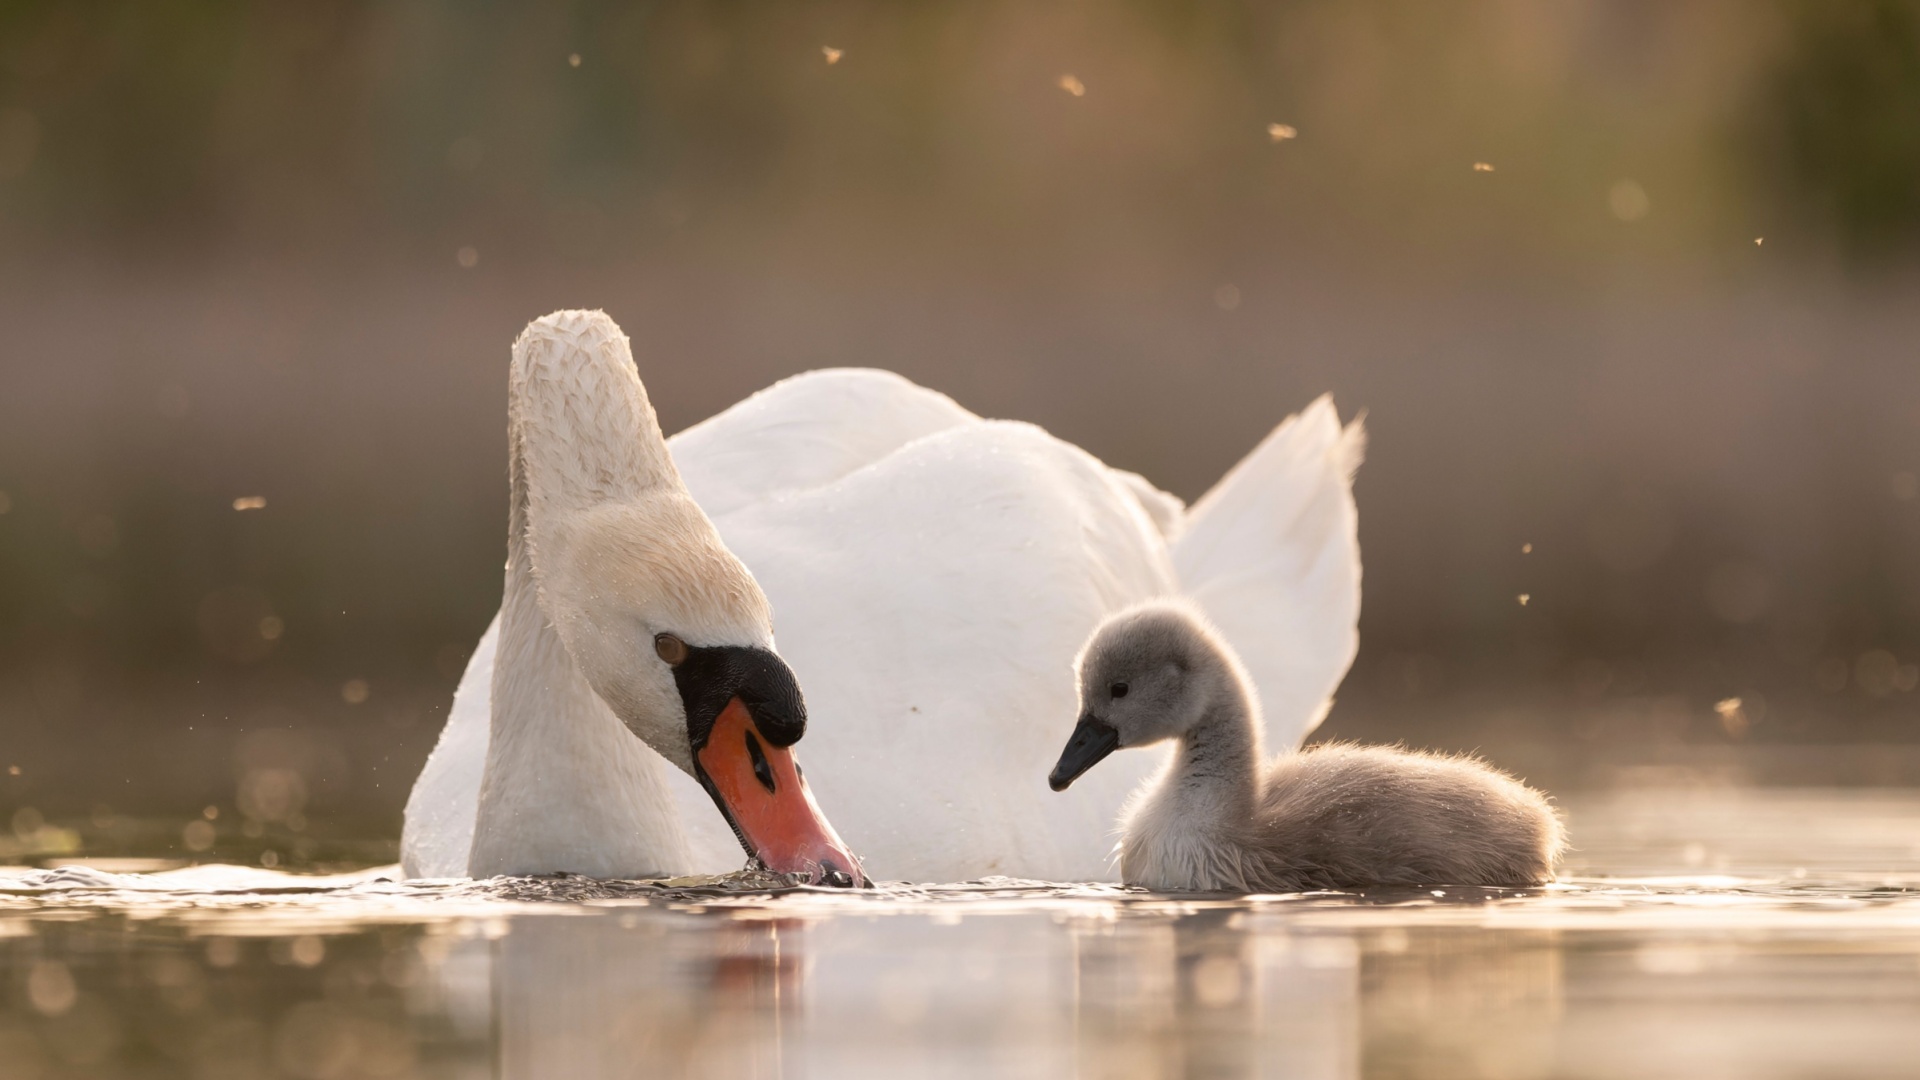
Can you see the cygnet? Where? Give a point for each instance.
(1222, 818)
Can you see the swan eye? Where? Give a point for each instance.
(671, 649)
(1118, 689)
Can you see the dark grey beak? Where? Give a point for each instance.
(1093, 739)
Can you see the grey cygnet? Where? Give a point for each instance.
(1223, 819)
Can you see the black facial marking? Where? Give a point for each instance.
(713, 675)
(761, 770)
(709, 677)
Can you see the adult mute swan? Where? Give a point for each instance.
(934, 575)
(625, 615)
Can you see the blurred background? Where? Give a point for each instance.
(1626, 287)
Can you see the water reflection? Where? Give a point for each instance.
(1707, 967)
(1015, 994)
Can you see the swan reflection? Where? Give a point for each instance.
(648, 993)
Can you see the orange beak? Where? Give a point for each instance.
(759, 787)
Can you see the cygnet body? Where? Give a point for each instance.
(1224, 819)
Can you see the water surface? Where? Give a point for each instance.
(1698, 933)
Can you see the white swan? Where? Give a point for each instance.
(933, 575)
(625, 613)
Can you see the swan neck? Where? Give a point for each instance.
(583, 429)
(565, 786)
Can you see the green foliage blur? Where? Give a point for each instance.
(1627, 283)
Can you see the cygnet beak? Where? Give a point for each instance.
(760, 789)
(1093, 739)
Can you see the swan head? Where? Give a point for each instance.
(673, 633)
(1147, 674)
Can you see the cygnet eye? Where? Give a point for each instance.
(1118, 689)
(671, 649)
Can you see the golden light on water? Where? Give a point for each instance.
(250, 502)
(1282, 132)
(1481, 166)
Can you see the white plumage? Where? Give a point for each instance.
(932, 576)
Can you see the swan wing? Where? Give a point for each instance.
(1272, 555)
(438, 830)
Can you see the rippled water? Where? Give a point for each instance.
(1736, 933)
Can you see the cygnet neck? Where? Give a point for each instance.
(1216, 768)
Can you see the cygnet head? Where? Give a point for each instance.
(1147, 674)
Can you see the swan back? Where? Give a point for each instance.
(806, 431)
(944, 590)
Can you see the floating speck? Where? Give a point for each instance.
(1758, 240)
(1628, 200)
(1524, 597)
(832, 54)
(1481, 166)
(307, 950)
(355, 691)
(1526, 549)
(250, 502)
(1216, 981)
(468, 257)
(1073, 86)
(1733, 716)
(573, 59)
(50, 988)
(1227, 297)
(1282, 132)
(197, 836)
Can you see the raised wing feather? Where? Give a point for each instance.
(1272, 555)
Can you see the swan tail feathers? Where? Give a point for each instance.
(1272, 555)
